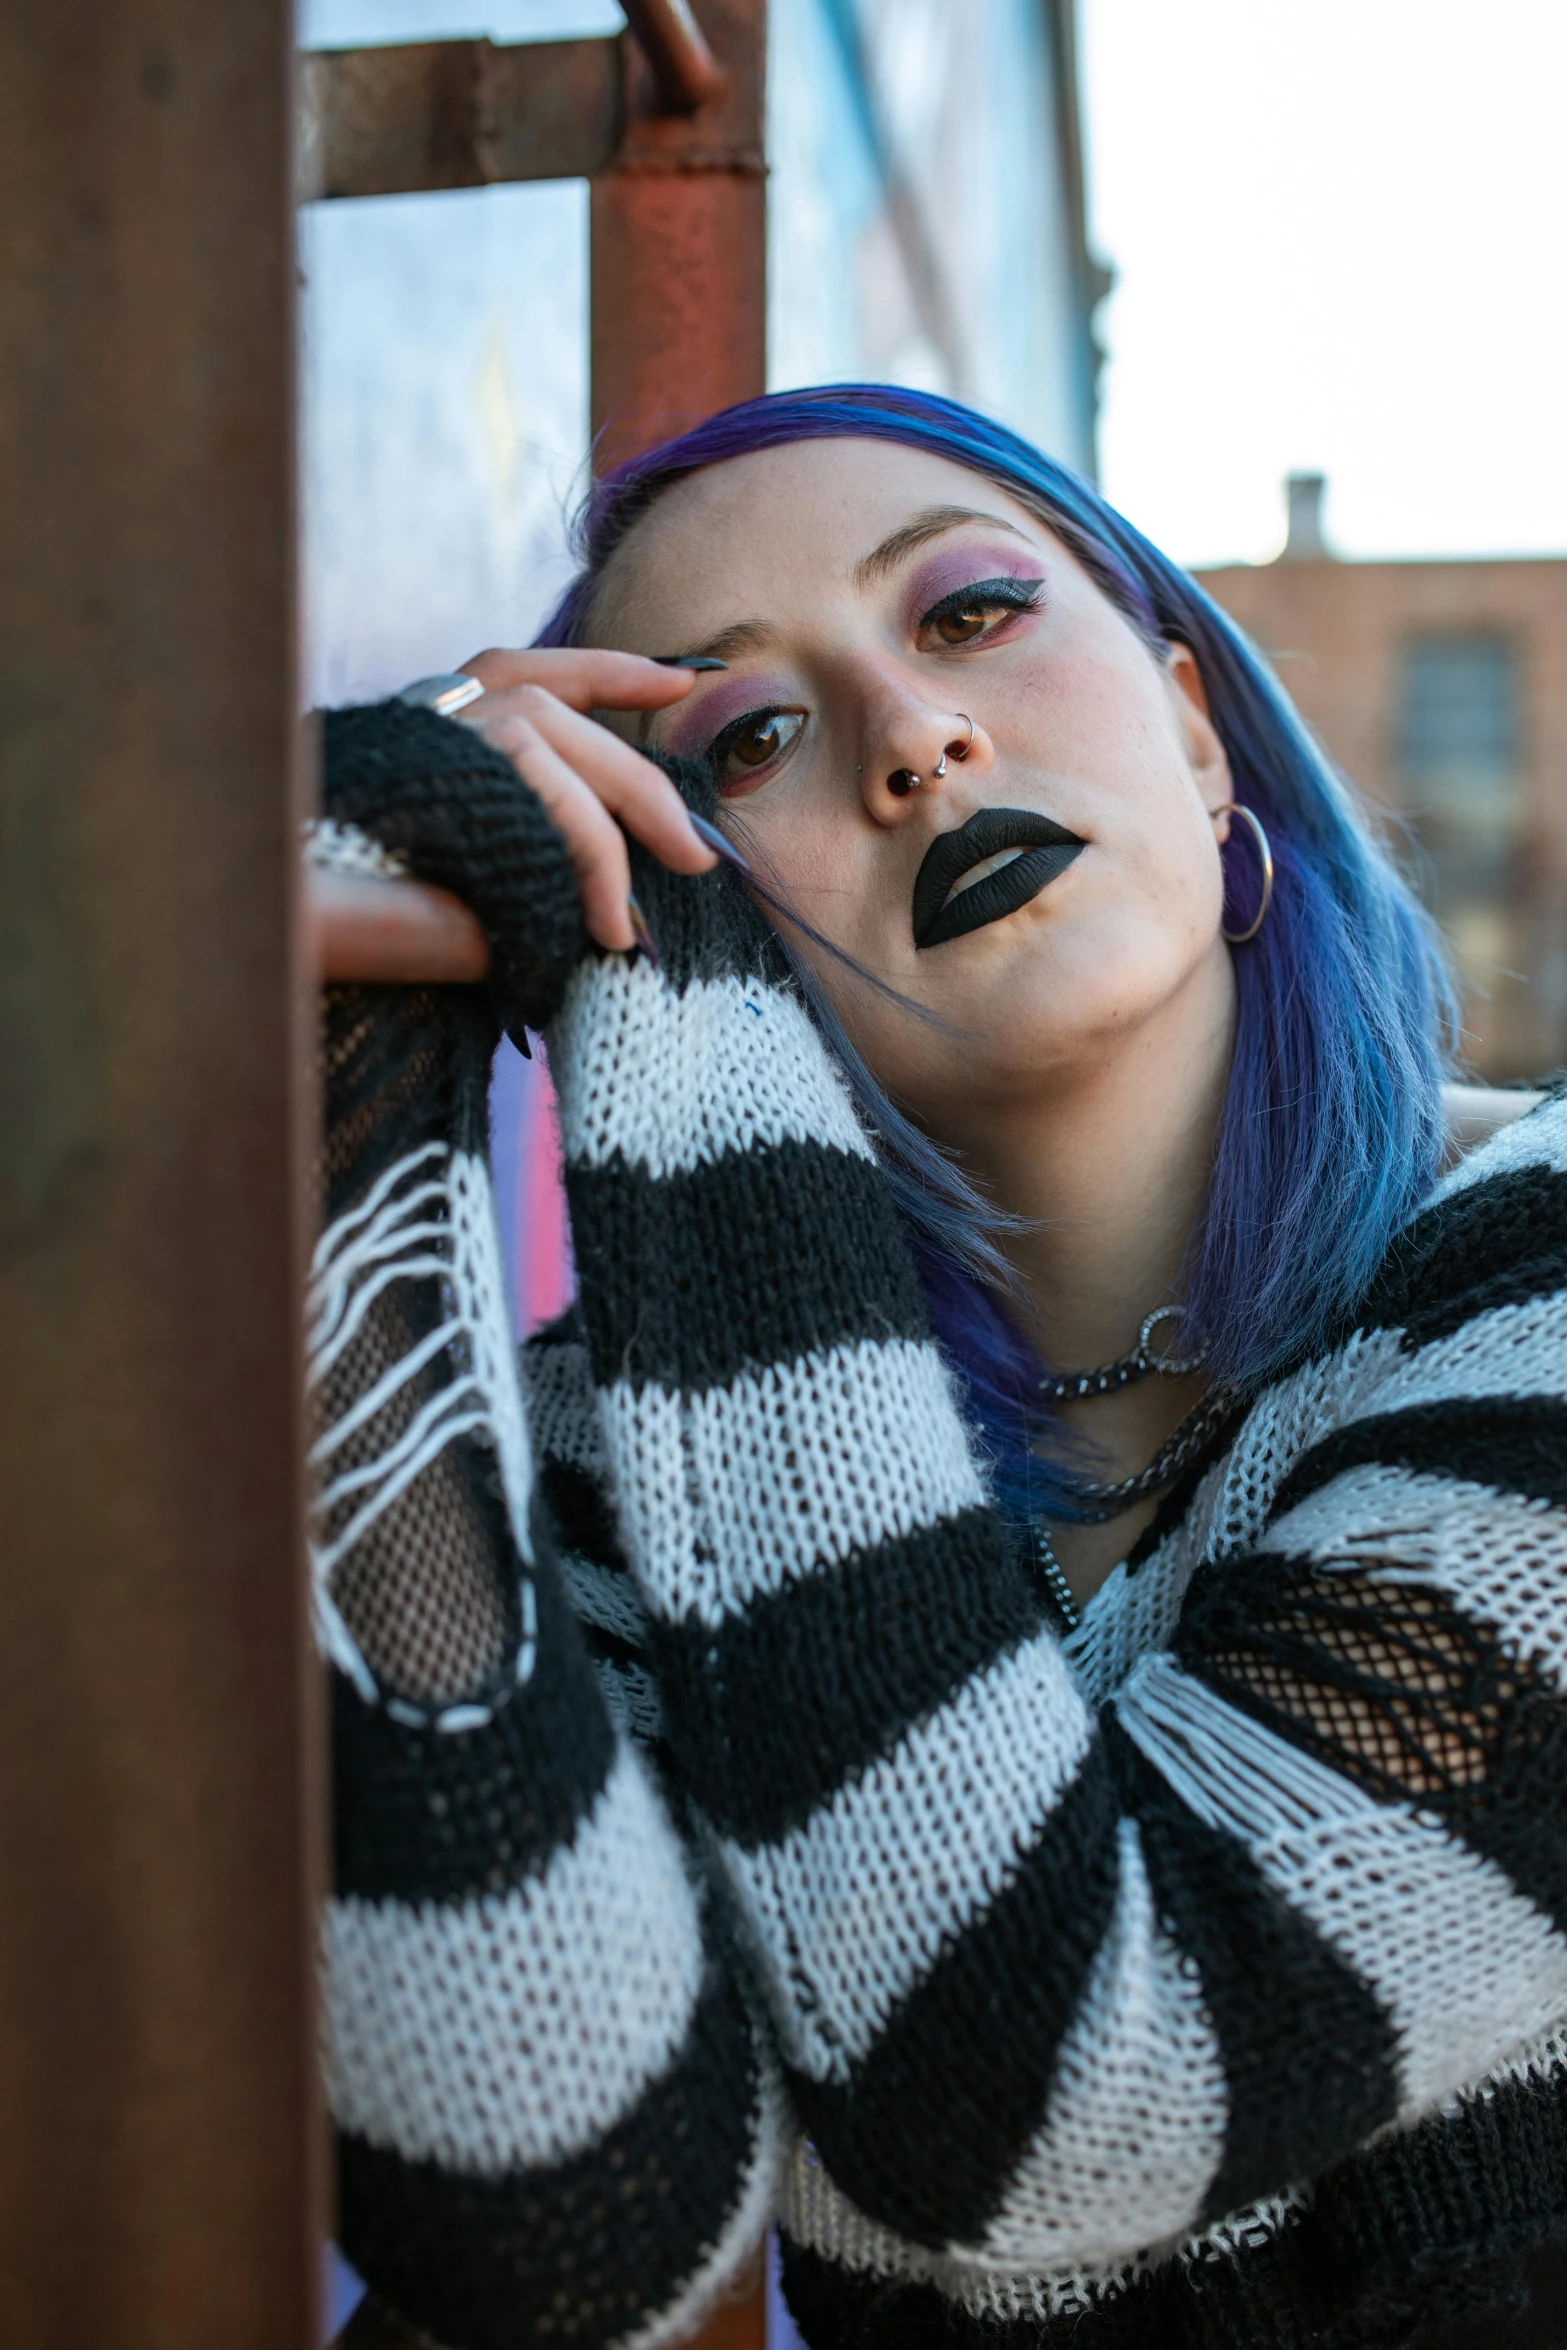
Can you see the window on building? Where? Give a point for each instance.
(1458, 710)
(1459, 742)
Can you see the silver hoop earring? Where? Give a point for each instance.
(902, 781)
(960, 756)
(1238, 938)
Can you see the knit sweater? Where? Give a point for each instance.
(1195, 1976)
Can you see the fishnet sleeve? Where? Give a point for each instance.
(1392, 1656)
(417, 1557)
(552, 2119)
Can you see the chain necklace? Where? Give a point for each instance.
(1072, 1386)
(1091, 1505)
(1094, 1505)
(1048, 1568)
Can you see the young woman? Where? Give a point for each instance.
(1069, 1509)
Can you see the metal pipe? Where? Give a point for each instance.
(361, 928)
(678, 296)
(455, 114)
(465, 113)
(685, 71)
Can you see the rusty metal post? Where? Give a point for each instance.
(158, 1737)
(678, 322)
(679, 248)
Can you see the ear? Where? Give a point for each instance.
(1210, 763)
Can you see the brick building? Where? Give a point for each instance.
(1440, 689)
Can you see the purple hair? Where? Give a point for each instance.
(1331, 1128)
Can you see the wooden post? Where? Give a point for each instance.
(159, 1782)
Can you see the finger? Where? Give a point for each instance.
(630, 786)
(594, 841)
(586, 680)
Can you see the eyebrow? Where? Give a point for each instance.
(754, 636)
(742, 636)
(914, 533)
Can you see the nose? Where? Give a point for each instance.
(915, 752)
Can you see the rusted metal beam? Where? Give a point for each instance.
(679, 248)
(685, 72)
(158, 1712)
(358, 927)
(461, 114)
(455, 114)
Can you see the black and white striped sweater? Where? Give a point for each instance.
(1200, 1977)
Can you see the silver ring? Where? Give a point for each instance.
(960, 756)
(444, 695)
(940, 768)
(1173, 1366)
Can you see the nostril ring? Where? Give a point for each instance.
(902, 781)
(960, 756)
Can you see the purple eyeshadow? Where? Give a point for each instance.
(706, 713)
(952, 568)
(693, 729)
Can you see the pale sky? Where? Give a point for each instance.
(1339, 231)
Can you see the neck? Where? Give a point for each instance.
(1108, 1166)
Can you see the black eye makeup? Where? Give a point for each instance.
(752, 743)
(751, 746)
(970, 613)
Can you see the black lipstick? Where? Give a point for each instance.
(1047, 850)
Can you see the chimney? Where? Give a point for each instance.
(1303, 496)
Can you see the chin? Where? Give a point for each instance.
(1056, 992)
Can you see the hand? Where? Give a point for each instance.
(533, 708)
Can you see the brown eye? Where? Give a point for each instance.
(978, 610)
(762, 740)
(757, 739)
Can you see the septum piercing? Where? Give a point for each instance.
(903, 780)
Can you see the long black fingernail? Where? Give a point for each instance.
(716, 841)
(640, 931)
(686, 661)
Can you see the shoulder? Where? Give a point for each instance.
(1455, 1371)
(1471, 1114)
(1493, 1131)
(1491, 1235)
(1441, 1412)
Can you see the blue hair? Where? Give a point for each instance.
(1331, 1127)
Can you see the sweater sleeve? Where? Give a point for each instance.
(1057, 1974)
(572, 1471)
(448, 808)
(553, 2119)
